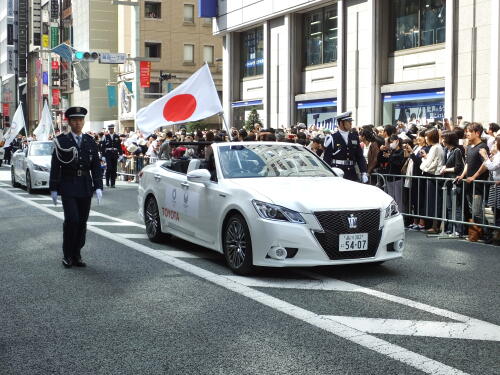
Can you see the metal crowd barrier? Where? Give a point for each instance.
(454, 205)
(129, 167)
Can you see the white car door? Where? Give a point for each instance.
(169, 189)
(203, 206)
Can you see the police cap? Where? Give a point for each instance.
(75, 112)
(345, 116)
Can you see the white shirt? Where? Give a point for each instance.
(345, 135)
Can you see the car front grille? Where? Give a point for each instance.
(335, 223)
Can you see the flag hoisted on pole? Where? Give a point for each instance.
(42, 131)
(16, 126)
(195, 99)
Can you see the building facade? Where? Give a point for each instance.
(170, 32)
(384, 60)
(8, 62)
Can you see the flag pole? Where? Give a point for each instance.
(225, 123)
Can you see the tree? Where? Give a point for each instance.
(192, 127)
(253, 118)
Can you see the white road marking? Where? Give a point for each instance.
(39, 198)
(187, 255)
(133, 235)
(115, 224)
(472, 330)
(368, 341)
(22, 193)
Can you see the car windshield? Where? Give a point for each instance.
(41, 149)
(270, 160)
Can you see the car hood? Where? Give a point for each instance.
(309, 194)
(43, 161)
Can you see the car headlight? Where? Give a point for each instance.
(40, 168)
(391, 210)
(273, 212)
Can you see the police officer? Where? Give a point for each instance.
(342, 150)
(111, 149)
(75, 174)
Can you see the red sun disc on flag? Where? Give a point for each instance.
(179, 107)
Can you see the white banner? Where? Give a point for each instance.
(15, 127)
(42, 131)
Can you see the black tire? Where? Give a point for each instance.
(237, 245)
(13, 178)
(152, 221)
(29, 188)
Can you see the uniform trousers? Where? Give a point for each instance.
(111, 165)
(76, 214)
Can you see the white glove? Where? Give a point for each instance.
(364, 178)
(53, 195)
(98, 194)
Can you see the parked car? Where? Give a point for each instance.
(30, 167)
(269, 204)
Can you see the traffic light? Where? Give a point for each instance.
(166, 76)
(86, 56)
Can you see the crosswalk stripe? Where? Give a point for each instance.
(472, 330)
(133, 235)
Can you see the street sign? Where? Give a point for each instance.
(112, 58)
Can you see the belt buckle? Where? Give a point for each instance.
(79, 173)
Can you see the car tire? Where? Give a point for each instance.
(237, 245)
(29, 188)
(152, 221)
(13, 178)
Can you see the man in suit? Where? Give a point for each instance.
(111, 149)
(342, 150)
(75, 174)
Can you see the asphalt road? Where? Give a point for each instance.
(174, 308)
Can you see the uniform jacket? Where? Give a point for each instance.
(64, 177)
(111, 141)
(337, 149)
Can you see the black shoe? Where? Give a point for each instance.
(79, 263)
(113, 186)
(67, 263)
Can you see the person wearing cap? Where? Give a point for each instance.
(343, 150)
(75, 174)
(111, 149)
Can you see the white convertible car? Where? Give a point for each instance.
(269, 204)
(31, 167)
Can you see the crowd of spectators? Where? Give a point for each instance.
(422, 165)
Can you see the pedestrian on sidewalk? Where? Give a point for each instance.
(75, 174)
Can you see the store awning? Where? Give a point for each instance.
(317, 103)
(414, 96)
(247, 103)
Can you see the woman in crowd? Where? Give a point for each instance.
(395, 158)
(372, 146)
(417, 185)
(431, 165)
(493, 165)
(453, 167)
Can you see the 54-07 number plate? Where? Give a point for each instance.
(353, 242)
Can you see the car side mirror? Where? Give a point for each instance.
(199, 175)
(339, 172)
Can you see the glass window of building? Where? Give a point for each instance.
(208, 54)
(320, 28)
(152, 9)
(153, 91)
(252, 52)
(189, 13)
(320, 113)
(153, 49)
(188, 53)
(418, 23)
(416, 107)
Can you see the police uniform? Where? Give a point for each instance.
(344, 155)
(111, 148)
(75, 176)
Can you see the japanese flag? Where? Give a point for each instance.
(195, 99)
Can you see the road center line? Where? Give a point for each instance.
(386, 348)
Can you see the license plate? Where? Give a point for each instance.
(353, 242)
